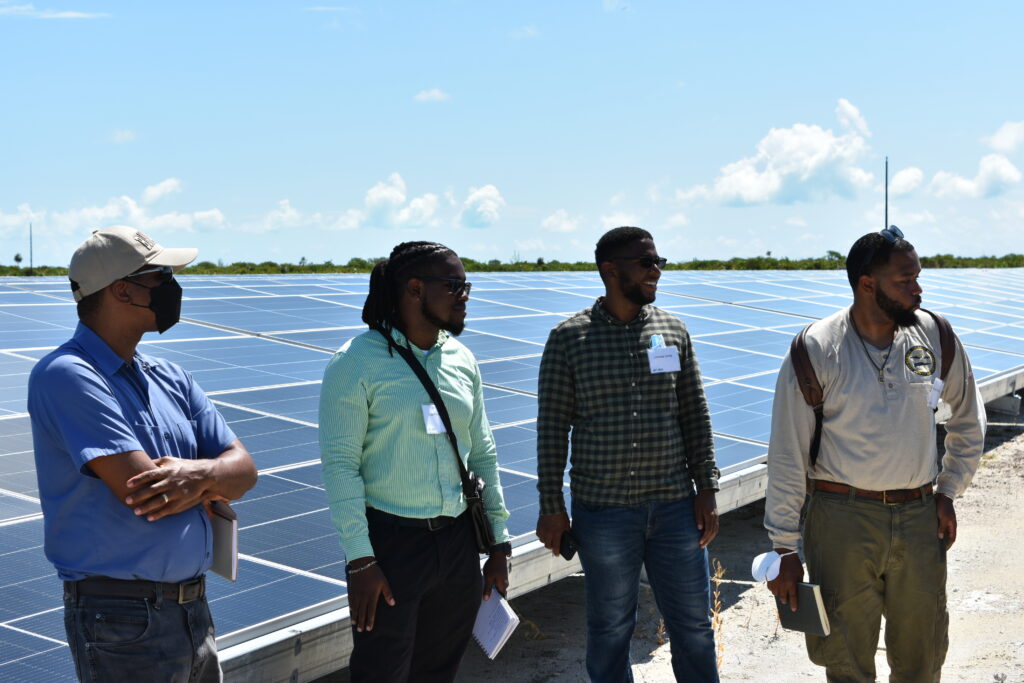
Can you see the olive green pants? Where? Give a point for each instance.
(874, 559)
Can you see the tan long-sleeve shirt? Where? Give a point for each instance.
(875, 435)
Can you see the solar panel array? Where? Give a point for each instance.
(259, 344)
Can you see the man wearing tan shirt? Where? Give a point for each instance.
(879, 517)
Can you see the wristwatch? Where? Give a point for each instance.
(503, 548)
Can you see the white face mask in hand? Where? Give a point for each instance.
(766, 565)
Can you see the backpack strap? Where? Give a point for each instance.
(947, 342)
(810, 387)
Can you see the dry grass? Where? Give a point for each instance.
(717, 575)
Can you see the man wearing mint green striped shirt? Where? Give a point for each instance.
(391, 478)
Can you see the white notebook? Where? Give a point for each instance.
(495, 622)
(225, 540)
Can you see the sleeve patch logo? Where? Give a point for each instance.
(920, 360)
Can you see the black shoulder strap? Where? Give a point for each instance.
(810, 387)
(947, 342)
(435, 396)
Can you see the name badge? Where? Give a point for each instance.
(664, 359)
(432, 420)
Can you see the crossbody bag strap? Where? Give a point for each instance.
(442, 411)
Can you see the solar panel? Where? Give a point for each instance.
(258, 345)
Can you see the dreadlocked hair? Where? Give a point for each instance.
(388, 279)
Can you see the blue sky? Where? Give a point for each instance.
(280, 130)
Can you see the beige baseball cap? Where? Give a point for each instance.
(116, 252)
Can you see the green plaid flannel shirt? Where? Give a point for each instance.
(637, 437)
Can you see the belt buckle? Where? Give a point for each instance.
(885, 499)
(431, 524)
(188, 592)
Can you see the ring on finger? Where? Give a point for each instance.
(166, 498)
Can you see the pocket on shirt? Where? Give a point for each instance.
(175, 440)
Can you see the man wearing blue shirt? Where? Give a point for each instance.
(128, 449)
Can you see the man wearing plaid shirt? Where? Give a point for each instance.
(623, 376)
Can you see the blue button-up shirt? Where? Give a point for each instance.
(85, 402)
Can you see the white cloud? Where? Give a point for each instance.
(482, 207)
(617, 199)
(561, 221)
(284, 216)
(29, 10)
(617, 219)
(995, 175)
(801, 162)
(330, 8)
(677, 220)
(906, 181)
(420, 211)
(161, 190)
(387, 207)
(797, 222)
(120, 136)
(68, 228)
(850, 117)
(525, 33)
(1008, 138)
(432, 95)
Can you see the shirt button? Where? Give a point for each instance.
(634, 444)
(632, 473)
(167, 435)
(634, 413)
(633, 384)
(890, 385)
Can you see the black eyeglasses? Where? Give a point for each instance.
(456, 287)
(646, 262)
(166, 273)
(890, 234)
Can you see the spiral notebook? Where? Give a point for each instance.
(495, 623)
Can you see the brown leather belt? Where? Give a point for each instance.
(891, 497)
(182, 593)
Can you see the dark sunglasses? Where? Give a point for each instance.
(646, 262)
(166, 273)
(456, 287)
(890, 234)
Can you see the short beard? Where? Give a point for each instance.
(633, 291)
(903, 317)
(447, 325)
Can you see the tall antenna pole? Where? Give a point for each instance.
(31, 266)
(886, 194)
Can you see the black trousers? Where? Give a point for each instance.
(436, 582)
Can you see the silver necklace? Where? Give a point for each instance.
(885, 359)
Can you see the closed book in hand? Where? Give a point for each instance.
(810, 616)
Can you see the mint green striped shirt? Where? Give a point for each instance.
(374, 443)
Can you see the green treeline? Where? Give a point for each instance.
(833, 260)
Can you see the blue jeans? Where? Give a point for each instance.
(141, 639)
(614, 542)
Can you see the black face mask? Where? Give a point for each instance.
(165, 302)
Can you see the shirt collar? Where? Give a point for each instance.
(102, 355)
(399, 337)
(602, 313)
